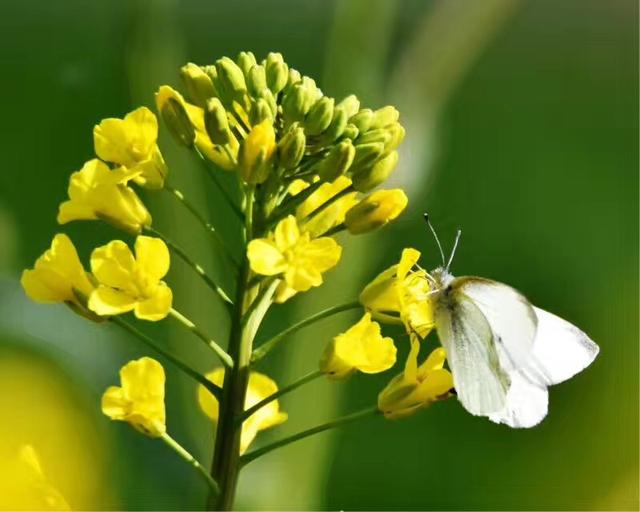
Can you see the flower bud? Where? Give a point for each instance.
(256, 80)
(297, 103)
(277, 72)
(269, 97)
(362, 119)
(230, 78)
(319, 117)
(197, 83)
(254, 156)
(377, 135)
(366, 155)
(368, 178)
(351, 105)
(293, 78)
(351, 131)
(384, 117)
(291, 147)
(174, 114)
(396, 132)
(375, 211)
(246, 60)
(337, 125)
(337, 162)
(260, 111)
(216, 122)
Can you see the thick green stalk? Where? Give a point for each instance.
(270, 344)
(370, 411)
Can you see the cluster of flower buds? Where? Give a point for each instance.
(275, 127)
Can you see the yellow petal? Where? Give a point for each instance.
(105, 301)
(157, 307)
(408, 259)
(152, 256)
(114, 404)
(323, 253)
(286, 234)
(208, 403)
(265, 258)
(114, 265)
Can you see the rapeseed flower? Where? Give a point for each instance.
(375, 211)
(131, 283)
(97, 192)
(361, 348)
(260, 387)
(132, 142)
(139, 400)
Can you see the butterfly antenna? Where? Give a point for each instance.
(435, 235)
(453, 251)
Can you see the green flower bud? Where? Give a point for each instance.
(319, 117)
(216, 122)
(269, 97)
(362, 119)
(297, 103)
(246, 60)
(351, 105)
(378, 135)
(256, 80)
(366, 154)
(230, 78)
(291, 147)
(277, 72)
(197, 83)
(337, 162)
(350, 131)
(293, 78)
(396, 132)
(384, 117)
(173, 112)
(370, 177)
(337, 126)
(260, 111)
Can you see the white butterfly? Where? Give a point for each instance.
(503, 351)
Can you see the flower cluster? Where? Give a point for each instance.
(307, 168)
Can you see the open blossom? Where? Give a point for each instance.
(300, 260)
(131, 283)
(58, 275)
(132, 142)
(97, 192)
(260, 387)
(360, 348)
(400, 294)
(417, 386)
(139, 400)
(168, 101)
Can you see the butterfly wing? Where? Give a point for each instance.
(560, 350)
(510, 315)
(526, 404)
(466, 336)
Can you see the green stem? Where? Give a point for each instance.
(190, 459)
(268, 345)
(283, 391)
(211, 174)
(248, 457)
(213, 388)
(226, 360)
(206, 224)
(195, 266)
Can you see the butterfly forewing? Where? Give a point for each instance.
(467, 338)
(511, 318)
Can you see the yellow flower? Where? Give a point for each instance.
(316, 222)
(132, 142)
(97, 192)
(256, 152)
(140, 399)
(128, 283)
(58, 275)
(375, 210)
(260, 387)
(294, 256)
(417, 386)
(400, 294)
(167, 96)
(361, 348)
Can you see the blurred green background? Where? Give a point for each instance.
(522, 122)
